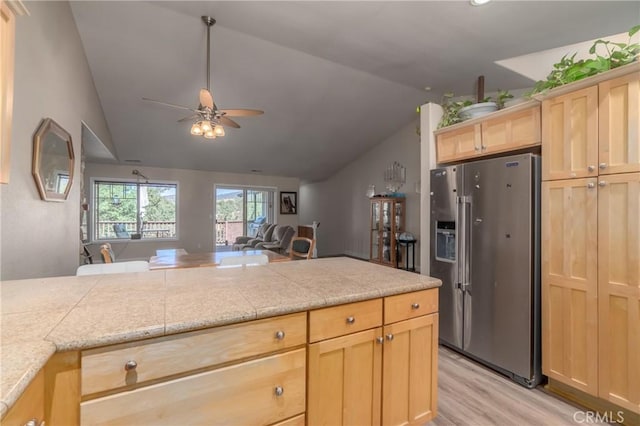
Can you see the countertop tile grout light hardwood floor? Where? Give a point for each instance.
(471, 395)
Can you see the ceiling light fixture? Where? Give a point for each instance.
(478, 2)
(209, 120)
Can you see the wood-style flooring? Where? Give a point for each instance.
(470, 394)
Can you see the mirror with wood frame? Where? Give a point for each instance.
(53, 161)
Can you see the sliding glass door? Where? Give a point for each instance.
(241, 211)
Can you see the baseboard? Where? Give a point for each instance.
(606, 411)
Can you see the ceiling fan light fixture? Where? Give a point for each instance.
(205, 125)
(218, 130)
(196, 130)
(210, 134)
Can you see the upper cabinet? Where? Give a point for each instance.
(593, 130)
(619, 122)
(510, 129)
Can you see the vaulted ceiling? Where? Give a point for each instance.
(334, 78)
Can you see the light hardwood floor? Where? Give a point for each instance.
(470, 394)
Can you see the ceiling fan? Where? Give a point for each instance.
(209, 120)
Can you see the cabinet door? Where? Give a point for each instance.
(376, 227)
(570, 135)
(620, 125)
(410, 370)
(569, 282)
(619, 289)
(344, 380)
(387, 236)
(517, 130)
(458, 144)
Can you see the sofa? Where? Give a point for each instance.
(265, 232)
(280, 240)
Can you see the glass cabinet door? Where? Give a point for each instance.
(387, 232)
(375, 231)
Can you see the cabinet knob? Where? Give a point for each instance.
(279, 334)
(380, 339)
(32, 422)
(602, 183)
(389, 337)
(603, 166)
(351, 320)
(477, 148)
(279, 390)
(591, 185)
(415, 306)
(130, 365)
(484, 147)
(591, 168)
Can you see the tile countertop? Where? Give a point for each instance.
(48, 315)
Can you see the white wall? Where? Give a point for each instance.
(52, 79)
(341, 206)
(430, 115)
(195, 205)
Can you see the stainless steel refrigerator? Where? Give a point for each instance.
(485, 247)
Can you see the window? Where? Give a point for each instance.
(132, 210)
(241, 211)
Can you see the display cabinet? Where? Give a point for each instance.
(387, 222)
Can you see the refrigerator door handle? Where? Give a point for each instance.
(463, 213)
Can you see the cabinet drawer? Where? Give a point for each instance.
(344, 319)
(241, 394)
(410, 305)
(104, 368)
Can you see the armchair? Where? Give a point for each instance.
(264, 234)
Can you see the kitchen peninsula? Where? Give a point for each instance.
(318, 341)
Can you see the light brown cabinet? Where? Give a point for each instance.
(161, 380)
(619, 289)
(30, 407)
(570, 282)
(386, 223)
(386, 374)
(591, 239)
(7, 47)
(507, 130)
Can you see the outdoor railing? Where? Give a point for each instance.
(227, 231)
(151, 229)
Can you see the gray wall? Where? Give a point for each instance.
(52, 79)
(341, 206)
(195, 205)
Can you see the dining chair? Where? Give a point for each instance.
(106, 252)
(251, 259)
(301, 247)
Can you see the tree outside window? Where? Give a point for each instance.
(134, 210)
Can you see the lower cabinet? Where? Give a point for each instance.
(409, 371)
(29, 408)
(259, 392)
(385, 375)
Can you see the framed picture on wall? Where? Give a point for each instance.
(288, 203)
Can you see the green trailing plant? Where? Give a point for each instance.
(501, 98)
(452, 108)
(568, 69)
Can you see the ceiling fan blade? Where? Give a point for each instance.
(241, 112)
(170, 105)
(206, 99)
(228, 122)
(189, 118)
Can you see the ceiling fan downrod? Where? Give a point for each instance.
(209, 22)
